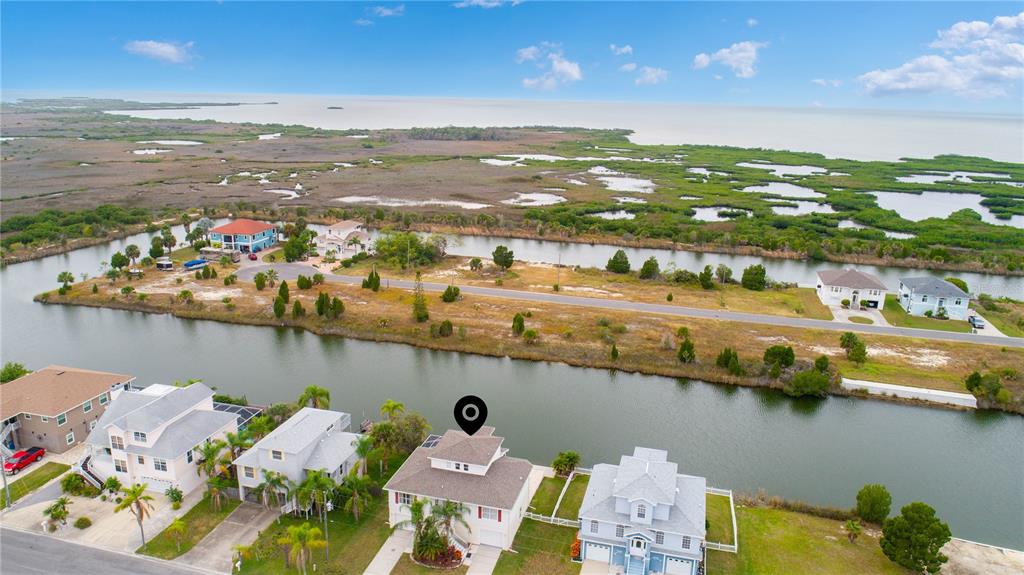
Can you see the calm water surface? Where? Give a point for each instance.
(968, 465)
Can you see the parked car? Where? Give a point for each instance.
(976, 322)
(253, 257)
(22, 459)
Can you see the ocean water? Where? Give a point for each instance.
(852, 134)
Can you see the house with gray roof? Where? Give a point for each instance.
(930, 296)
(311, 440)
(151, 436)
(859, 288)
(643, 516)
(474, 470)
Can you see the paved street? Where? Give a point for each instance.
(291, 271)
(30, 554)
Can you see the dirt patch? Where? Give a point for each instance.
(922, 357)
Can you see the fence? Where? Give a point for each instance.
(734, 547)
(552, 520)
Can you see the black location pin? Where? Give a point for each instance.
(470, 413)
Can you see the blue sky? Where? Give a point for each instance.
(916, 56)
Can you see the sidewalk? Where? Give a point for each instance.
(216, 551)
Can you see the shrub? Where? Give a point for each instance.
(779, 354)
(845, 303)
(914, 538)
(668, 297)
(279, 307)
(303, 282)
(318, 279)
(725, 356)
(476, 264)
(518, 324)
(683, 332)
(615, 352)
(928, 313)
(503, 257)
(686, 353)
(297, 310)
(419, 302)
(282, 291)
(323, 304)
(619, 263)
(650, 270)
(821, 363)
(83, 522)
(446, 329)
(754, 278)
(337, 308)
(809, 382)
(873, 503)
(96, 288)
(776, 371)
(451, 293)
(174, 494)
(858, 353)
(531, 336)
(706, 278)
(735, 368)
(127, 290)
(723, 273)
(185, 296)
(372, 281)
(72, 483)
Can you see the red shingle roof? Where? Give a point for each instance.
(243, 226)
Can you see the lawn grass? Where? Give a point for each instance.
(1005, 315)
(539, 548)
(861, 320)
(544, 500)
(406, 566)
(899, 317)
(719, 517)
(778, 542)
(201, 519)
(32, 480)
(570, 506)
(184, 254)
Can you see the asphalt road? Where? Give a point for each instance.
(24, 553)
(290, 271)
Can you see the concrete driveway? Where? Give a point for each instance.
(841, 314)
(242, 527)
(399, 542)
(483, 561)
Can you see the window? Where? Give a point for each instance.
(924, 298)
(620, 530)
(686, 541)
(120, 466)
(87, 406)
(188, 456)
(489, 513)
(44, 419)
(28, 416)
(116, 442)
(593, 526)
(62, 419)
(249, 472)
(276, 455)
(160, 464)
(458, 466)
(70, 438)
(641, 511)
(141, 459)
(659, 537)
(957, 302)
(405, 498)
(139, 436)
(104, 398)
(92, 425)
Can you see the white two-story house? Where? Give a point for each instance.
(643, 516)
(921, 295)
(311, 440)
(343, 239)
(151, 435)
(473, 470)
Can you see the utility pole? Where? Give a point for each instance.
(3, 470)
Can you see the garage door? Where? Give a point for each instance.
(600, 553)
(675, 566)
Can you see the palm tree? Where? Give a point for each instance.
(301, 541)
(212, 462)
(364, 446)
(133, 253)
(258, 427)
(417, 516)
(447, 513)
(139, 503)
(852, 529)
(186, 220)
(177, 530)
(273, 484)
(58, 512)
(272, 277)
(315, 396)
(65, 278)
(217, 490)
(315, 489)
(237, 442)
(566, 462)
(385, 437)
(357, 490)
(112, 484)
(392, 408)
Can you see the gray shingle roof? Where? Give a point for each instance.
(499, 488)
(332, 451)
(301, 429)
(184, 434)
(477, 449)
(933, 287)
(851, 278)
(155, 410)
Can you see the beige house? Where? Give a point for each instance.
(55, 407)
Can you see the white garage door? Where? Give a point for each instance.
(599, 553)
(675, 566)
(492, 538)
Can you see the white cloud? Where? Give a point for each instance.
(485, 3)
(751, 22)
(718, 76)
(835, 83)
(385, 11)
(558, 71)
(627, 67)
(163, 51)
(979, 60)
(740, 57)
(621, 50)
(363, 22)
(650, 76)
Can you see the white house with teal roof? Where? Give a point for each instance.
(643, 516)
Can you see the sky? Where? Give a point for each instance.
(928, 56)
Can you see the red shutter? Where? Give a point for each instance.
(396, 497)
(499, 516)
(479, 512)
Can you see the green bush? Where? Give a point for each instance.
(619, 263)
(914, 538)
(874, 503)
(755, 278)
(531, 336)
(83, 522)
(686, 353)
(303, 282)
(297, 310)
(706, 278)
(725, 356)
(279, 307)
(650, 270)
(779, 354)
(451, 293)
(446, 329)
(821, 363)
(518, 324)
(810, 382)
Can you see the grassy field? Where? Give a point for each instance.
(539, 548)
(777, 542)
(201, 519)
(32, 480)
(1007, 316)
(899, 317)
(406, 566)
(570, 506)
(719, 517)
(544, 499)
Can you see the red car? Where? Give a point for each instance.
(22, 459)
(253, 257)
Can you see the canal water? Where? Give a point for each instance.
(969, 466)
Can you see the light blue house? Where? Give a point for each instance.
(643, 516)
(943, 299)
(246, 236)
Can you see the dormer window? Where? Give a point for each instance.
(641, 511)
(276, 455)
(139, 436)
(116, 442)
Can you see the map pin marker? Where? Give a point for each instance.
(470, 413)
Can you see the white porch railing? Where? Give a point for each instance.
(552, 520)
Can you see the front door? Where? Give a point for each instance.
(638, 547)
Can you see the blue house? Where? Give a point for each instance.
(919, 296)
(244, 235)
(643, 516)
